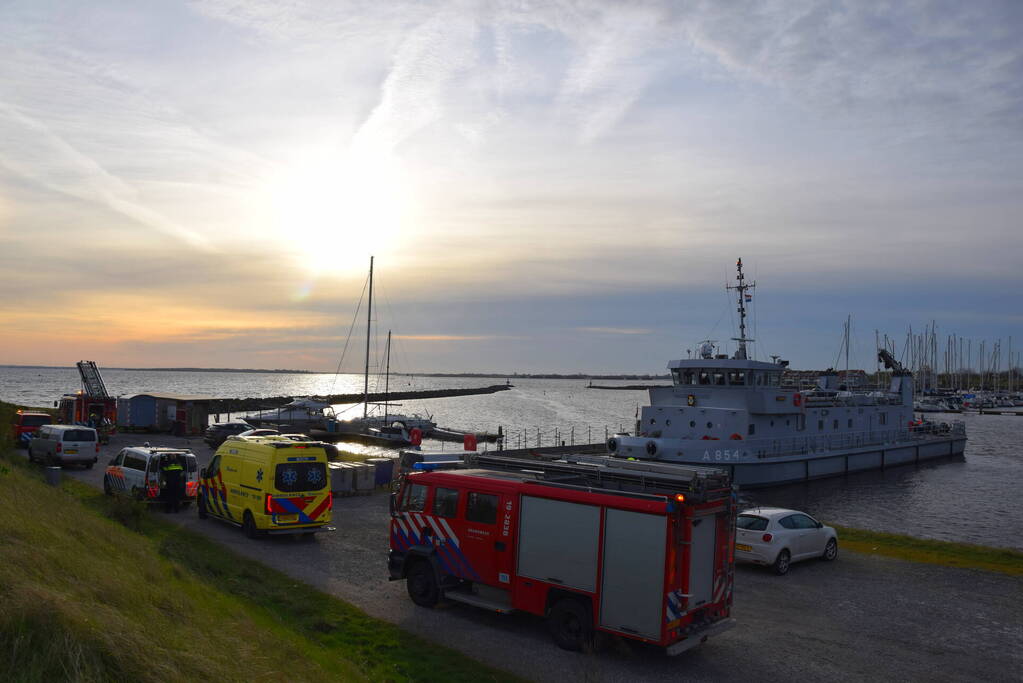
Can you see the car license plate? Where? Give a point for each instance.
(284, 519)
(71, 451)
(743, 547)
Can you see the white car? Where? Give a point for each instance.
(777, 537)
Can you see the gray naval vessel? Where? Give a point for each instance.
(733, 412)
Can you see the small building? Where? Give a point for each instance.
(179, 414)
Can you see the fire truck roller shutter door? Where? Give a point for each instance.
(558, 542)
(632, 595)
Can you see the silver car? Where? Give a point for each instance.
(777, 537)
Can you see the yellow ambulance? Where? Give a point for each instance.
(268, 484)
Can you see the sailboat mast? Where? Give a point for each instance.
(387, 373)
(369, 322)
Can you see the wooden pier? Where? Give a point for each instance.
(243, 405)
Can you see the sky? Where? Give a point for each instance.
(545, 186)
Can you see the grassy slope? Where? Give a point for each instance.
(82, 597)
(932, 552)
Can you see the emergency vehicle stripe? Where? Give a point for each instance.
(396, 538)
(465, 560)
(315, 514)
(407, 529)
(451, 534)
(290, 507)
(436, 528)
(223, 494)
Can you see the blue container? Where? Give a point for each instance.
(384, 470)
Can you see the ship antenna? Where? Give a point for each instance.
(741, 288)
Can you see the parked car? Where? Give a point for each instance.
(26, 424)
(64, 445)
(259, 432)
(777, 537)
(217, 432)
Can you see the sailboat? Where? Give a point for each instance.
(382, 427)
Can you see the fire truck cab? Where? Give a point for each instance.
(638, 550)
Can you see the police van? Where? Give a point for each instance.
(136, 471)
(268, 484)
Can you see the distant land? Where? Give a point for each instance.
(502, 375)
(257, 370)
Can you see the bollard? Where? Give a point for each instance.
(53, 476)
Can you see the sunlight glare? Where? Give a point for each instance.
(334, 212)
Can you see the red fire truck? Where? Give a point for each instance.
(596, 545)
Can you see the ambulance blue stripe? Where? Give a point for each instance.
(290, 507)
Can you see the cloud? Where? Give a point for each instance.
(614, 330)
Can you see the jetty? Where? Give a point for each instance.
(240, 405)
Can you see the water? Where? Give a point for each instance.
(973, 499)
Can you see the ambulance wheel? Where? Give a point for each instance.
(249, 526)
(106, 486)
(422, 584)
(570, 625)
(200, 506)
(782, 562)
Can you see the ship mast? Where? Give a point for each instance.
(740, 353)
(369, 323)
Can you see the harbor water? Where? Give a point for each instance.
(973, 499)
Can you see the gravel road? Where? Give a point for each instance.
(861, 617)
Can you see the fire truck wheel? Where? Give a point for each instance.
(570, 625)
(201, 507)
(422, 584)
(781, 563)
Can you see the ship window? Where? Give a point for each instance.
(850, 423)
(820, 425)
(710, 425)
(653, 420)
(773, 379)
(674, 377)
(835, 425)
(692, 423)
(719, 378)
(688, 377)
(704, 377)
(737, 377)
(752, 429)
(882, 418)
(758, 378)
(667, 423)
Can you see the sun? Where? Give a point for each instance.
(334, 211)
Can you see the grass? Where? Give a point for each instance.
(962, 555)
(84, 598)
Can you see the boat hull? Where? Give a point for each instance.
(807, 467)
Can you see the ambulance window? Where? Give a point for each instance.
(300, 476)
(482, 508)
(415, 498)
(445, 502)
(118, 459)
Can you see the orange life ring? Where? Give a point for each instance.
(797, 399)
(736, 437)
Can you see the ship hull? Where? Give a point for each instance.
(775, 471)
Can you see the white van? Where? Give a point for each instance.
(64, 445)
